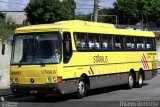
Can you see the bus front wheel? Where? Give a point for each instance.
(82, 88)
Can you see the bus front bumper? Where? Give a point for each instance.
(49, 88)
(35, 89)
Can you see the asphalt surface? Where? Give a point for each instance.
(116, 96)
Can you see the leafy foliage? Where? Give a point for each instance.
(49, 11)
(1, 15)
(134, 11)
(6, 28)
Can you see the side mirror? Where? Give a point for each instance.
(3, 48)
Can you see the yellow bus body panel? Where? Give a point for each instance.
(84, 62)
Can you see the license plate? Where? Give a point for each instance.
(33, 91)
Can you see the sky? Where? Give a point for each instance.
(13, 5)
(86, 6)
(83, 6)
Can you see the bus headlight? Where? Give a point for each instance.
(14, 80)
(52, 79)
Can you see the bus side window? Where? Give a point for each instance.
(105, 42)
(120, 42)
(140, 43)
(3, 48)
(94, 41)
(149, 43)
(80, 40)
(97, 42)
(67, 47)
(130, 42)
(91, 41)
(117, 42)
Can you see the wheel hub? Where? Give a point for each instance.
(81, 87)
(130, 80)
(140, 79)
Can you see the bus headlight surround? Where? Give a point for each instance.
(14, 80)
(52, 79)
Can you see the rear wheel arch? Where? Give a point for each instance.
(86, 78)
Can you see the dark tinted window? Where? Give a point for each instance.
(80, 40)
(94, 42)
(107, 42)
(140, 43)
(150, 43)
(130, 42)
(119, 42)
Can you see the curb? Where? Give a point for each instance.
(4, 92)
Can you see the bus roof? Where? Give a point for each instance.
(82, 26)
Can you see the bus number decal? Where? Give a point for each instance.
(100, 59)
(48, 72)
(16, 73)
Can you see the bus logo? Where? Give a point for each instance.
(32, 80)
(144, 62)
(90, 71)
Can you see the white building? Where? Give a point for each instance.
(17, 16)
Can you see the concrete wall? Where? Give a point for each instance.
(158, 51)
(17, 16)
(4, 65)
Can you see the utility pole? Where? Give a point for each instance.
(96, 10)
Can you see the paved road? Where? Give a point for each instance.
(103, 97)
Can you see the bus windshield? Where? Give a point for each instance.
(36, 48)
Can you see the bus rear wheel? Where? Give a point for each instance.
(139, 83)
(82, 88)
(131, 81)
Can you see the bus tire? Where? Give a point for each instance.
(131, 81)
(82, 88)
(139, 83)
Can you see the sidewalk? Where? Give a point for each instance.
(4, 92)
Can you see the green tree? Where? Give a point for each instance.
(6, 29)
(49, 11)
(1, 15)
(126, 11)
(109, 18)
(134, 11)
(86, 17)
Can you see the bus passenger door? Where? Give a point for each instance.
(67, 47)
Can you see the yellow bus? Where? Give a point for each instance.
(76, 56)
